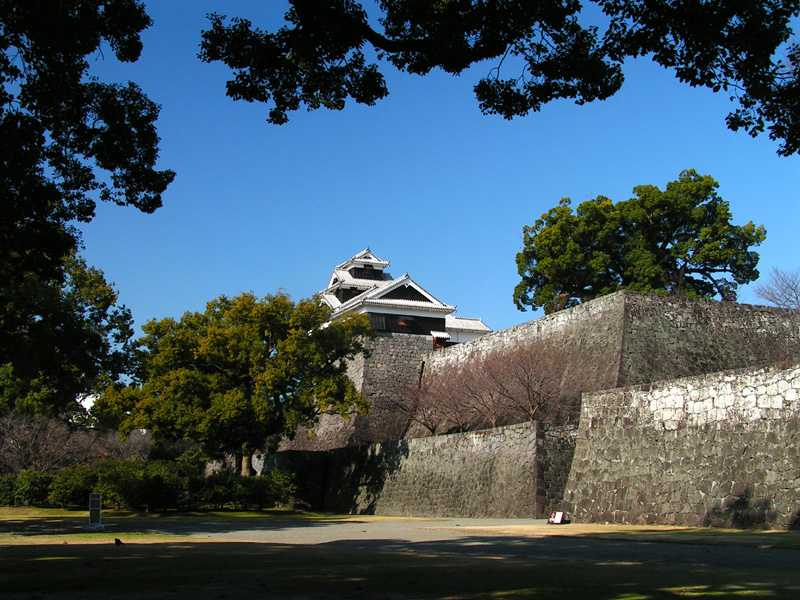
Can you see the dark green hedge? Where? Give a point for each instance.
(153, 485)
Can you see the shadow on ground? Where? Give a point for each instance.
(178, 524)
(224, 570)
(42, 557)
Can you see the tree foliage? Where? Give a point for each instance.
(65, 127)
(677, 241)
(240, 372)
(66, 141)
(541, 51)
(61, 341)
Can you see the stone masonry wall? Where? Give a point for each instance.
(393, 363)
(629, 338)
(555, 450)
(720, 450)
(626, 338)
(708, 449)
(667, 337)
(588, 339)
(505, 472)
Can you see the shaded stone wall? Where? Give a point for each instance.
(393, 363)
(555, 450)
(505, 472)
(720, 450)
(629, 338)
(667, 337)
(588, 339)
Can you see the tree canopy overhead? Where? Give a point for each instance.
(67, 140)
(81, 139)
(678, 241)
(537, 52)
(241, 371)
(78, 344)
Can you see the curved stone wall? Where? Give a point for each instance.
(719, 450)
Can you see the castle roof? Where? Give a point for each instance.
(377, 292)
(363, 258)
(361, 284)
(465, 324)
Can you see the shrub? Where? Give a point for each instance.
(32, 488)
(157, 485)
(8, 485)
(220, 488)
(282, 485)
(272, 488)
(121, 482)
(72, 487)
(170, 484)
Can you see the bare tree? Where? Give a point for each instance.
(501, 388)
(31, 442)
(447, 394)
(111, 446)
(529, 381)
(414, 404)
(782, 289)
(479, 392)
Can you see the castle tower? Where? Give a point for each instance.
(409, 323)
(362, 285)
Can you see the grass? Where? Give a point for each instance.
(45, 553)
(678, 535)
(183, 571)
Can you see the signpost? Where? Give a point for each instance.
(95, 520)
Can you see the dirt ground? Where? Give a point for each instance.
(289, 556)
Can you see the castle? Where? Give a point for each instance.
(690, 414)
(362, 285)
(409, 323)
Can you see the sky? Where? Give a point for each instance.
(422, 178)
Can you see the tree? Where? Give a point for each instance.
(528, 382)
(61, 342)
(66, 141)
(782, 289)
(677, 241)
(33, 442)
(242, 371)
(541, 51)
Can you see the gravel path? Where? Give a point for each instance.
(369, 529)
(483, 537)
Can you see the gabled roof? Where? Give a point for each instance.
(381, 291)
(374, 295)
(465, 324)
(343, 278)
(363, 258)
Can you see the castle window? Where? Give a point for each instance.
(367, 272)
(405, 323)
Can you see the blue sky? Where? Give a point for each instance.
(422, 178)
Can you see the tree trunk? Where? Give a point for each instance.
(247, 462)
